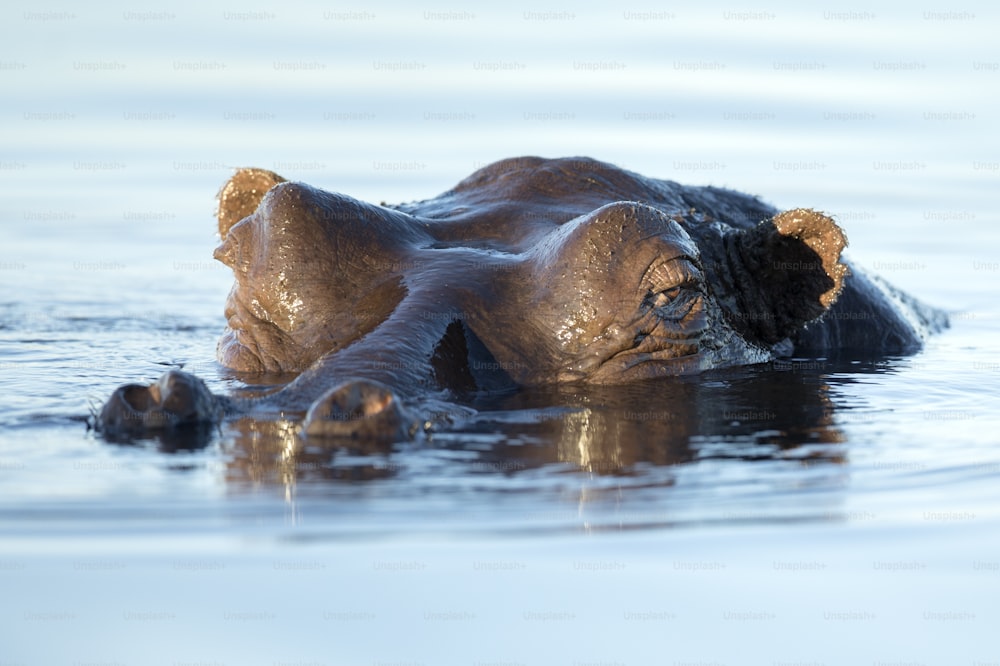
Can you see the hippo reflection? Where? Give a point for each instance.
(529, 272)
(783, 412)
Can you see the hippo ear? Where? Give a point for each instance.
(775, 278)
(241, 195)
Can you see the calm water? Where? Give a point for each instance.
(820, 511)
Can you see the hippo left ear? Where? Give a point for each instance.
(241, 195)
(777, 277)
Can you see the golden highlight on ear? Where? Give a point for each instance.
(241, 195)
(822, 235)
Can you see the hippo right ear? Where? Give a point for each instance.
(241, 195)
(775, 278)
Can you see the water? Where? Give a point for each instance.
(822, 511)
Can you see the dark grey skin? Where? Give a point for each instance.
(529, 272)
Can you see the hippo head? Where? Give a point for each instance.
(622, 292)
(529, 272)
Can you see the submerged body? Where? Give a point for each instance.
(529, 272)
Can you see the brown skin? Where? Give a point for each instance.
(307, 282)
(610, 297)
(528, 272)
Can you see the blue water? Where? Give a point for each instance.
(817, 512)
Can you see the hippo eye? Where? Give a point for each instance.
(674, 303)
(664, 297)
(673, 288)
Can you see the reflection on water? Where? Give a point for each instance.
(615, 431)
(723, 439)
(800, 440)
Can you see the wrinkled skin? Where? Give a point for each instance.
(529, 272)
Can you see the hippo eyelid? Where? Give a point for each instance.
(677, 272)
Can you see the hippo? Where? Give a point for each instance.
(529, 272)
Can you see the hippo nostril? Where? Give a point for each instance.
(175, 394)
(137, 397)
(356, 400)
(128, 409)
(357, 409)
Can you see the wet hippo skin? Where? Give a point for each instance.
(530, 271)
